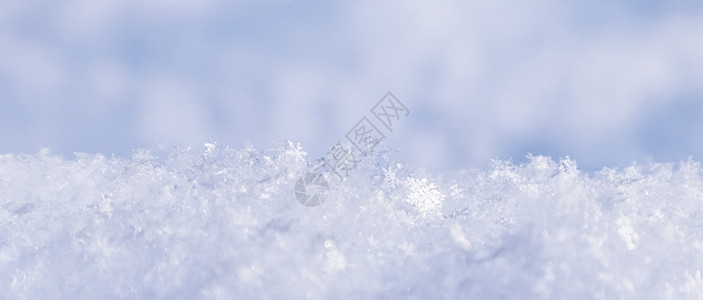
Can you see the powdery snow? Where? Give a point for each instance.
(223, 223)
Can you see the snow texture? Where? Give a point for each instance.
(223, 223)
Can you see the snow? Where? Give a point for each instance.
(217, 222)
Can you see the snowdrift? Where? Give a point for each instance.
(222, 223)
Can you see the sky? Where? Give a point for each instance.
(604, 82)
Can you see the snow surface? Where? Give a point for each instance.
(223, 223)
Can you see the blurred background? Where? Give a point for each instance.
(605, 82)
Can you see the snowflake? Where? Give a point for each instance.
(424, 195)
(390, 175)
(457, 192)
(296, 151)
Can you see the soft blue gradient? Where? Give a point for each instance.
(604, 82)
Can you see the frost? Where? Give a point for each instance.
(215, 222)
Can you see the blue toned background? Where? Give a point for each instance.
(606, 83)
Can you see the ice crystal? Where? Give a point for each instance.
(215, 222)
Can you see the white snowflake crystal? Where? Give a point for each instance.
(424, 195)
(391, 175)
